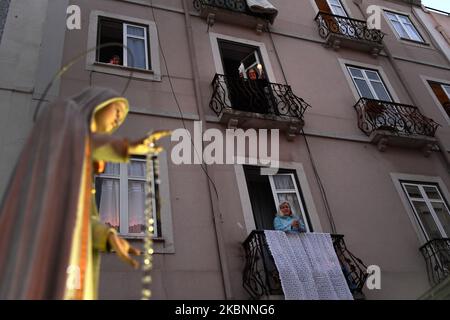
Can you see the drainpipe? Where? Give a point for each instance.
(408, 89)
(216, 217)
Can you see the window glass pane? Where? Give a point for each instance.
(381, 92)
(399, 28)
(413, 33)
(136, 169)
(136, 206)
(356, 72)
(432, 193)
(136, 31)
(391, 16)
(108, 194)
(338, 10)
(283, 182)
(364, 90)
(404, 19)
(137, 47)
(373, 75)
(293, 201)
(427, 220)
(112, 169)
(443, 216)
(413, 191)
(446, 89)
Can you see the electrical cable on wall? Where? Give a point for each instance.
(313, 164)
(179, 108)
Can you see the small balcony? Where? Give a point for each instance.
(437, 257)
(394, 124)
(339, 31)
(261, 279)
(232, 11)
(240, 102)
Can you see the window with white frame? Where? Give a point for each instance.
(369, 83)
(337, 8)
(120, 197)
(404, 27)
(134, 54)
(284, 188)
(430, 207)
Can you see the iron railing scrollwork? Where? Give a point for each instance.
(256, 96)
(261, 278)
(233, 5)
(350, 28)
(437, 257)
(394, 117)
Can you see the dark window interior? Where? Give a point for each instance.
(261, 197)
(110, 31)
(233, 54)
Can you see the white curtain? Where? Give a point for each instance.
(136, 197)
(308, 266)
(109, 202)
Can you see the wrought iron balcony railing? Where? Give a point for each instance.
(394, 117)
(239, 6)
(255, 96)
(261, 278)
(437, 257)
(350, 28)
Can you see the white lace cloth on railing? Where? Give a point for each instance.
(308, 266)
(263, 6)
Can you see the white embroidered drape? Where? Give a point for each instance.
(308, 266)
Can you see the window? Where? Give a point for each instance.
(331, 6)
(404, 27)
(337, 8)
(267, 192)
(120, 197)
(430, 208)
(442, 92)
(138, 35)
(369, 84)
(284, 188)
(133, 37)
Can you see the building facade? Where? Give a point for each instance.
(363, 147)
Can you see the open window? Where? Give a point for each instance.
(245, 75)
(132, 36)
(332, 6)
(442, 93)
(267, 192)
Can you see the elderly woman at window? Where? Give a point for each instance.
(285, 220)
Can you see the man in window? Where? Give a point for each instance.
(287, 221)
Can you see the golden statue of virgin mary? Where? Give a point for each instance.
(49, 223)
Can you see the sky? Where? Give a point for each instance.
(443, 5)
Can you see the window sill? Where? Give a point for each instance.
(123, 71)
(415, 42)
(140, 237)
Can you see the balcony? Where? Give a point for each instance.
(232, 11)
(339, 31)
(437, 257)
(248, 103)
(261, 279)
(388, 123)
